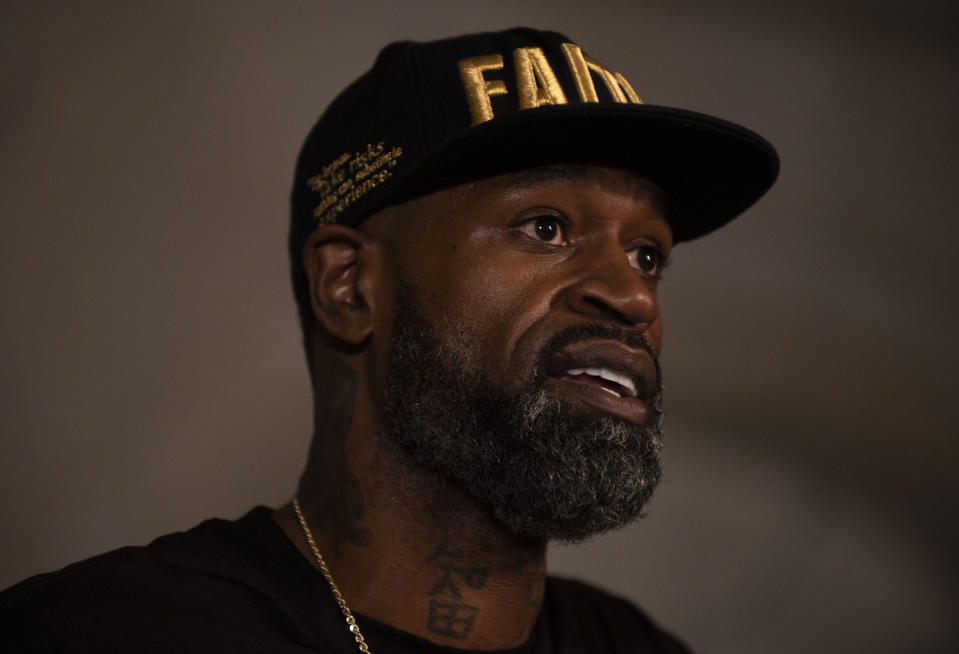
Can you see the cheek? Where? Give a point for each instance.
(489, 308)
(655, 334)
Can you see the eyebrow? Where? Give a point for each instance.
(533, 177)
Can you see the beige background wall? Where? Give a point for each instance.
(150, 370)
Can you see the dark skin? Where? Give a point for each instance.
(501, 265)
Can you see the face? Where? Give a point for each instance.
(529, 335)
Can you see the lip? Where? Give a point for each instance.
(637, 364)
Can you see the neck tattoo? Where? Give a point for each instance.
(337, 595)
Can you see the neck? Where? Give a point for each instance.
(413, 551)
(463, 584)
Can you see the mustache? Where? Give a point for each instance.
(631, 338)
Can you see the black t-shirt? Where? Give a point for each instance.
(242, 586)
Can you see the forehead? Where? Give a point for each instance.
(576, 173)
(606, 181)
(422, 224)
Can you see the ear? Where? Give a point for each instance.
(340, 264)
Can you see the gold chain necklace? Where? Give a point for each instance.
(337, 595)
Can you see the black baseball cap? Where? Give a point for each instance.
(433, 114)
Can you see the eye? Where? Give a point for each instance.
(549, 229)
(648, 259)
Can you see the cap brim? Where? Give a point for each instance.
(711, 170)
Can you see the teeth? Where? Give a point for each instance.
(609, 375)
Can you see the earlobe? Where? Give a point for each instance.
(338, 262)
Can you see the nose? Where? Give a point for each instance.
(608, 287)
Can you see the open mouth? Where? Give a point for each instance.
(612, 381)
(605, 376)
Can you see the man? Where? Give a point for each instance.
(478, 229)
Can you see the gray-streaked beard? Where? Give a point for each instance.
(542, 467)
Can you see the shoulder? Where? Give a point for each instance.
(142, 598)
(592, 618)
(129, 571)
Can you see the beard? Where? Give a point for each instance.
(542, 467)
